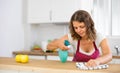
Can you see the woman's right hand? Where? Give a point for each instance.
(62, 46)
(92, 63)
(58, 43)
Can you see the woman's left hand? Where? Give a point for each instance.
(92, 63)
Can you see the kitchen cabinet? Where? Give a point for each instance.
(39, 11)
(37, 57)
(86, 5)
(26, 71)
(62, 10)
(15, 71)
(53, 58)
(57, 58)
(8, 71)
(115, 61)
(47, 11)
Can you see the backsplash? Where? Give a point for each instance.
(113, 41)
(44, 32)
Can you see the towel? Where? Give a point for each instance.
(81, 65)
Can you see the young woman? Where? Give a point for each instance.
(86, 41)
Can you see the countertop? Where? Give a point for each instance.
(46, 54)
(40, 53)
(45, 66)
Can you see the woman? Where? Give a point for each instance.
(86, 41)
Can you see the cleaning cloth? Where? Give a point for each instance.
(81, 65)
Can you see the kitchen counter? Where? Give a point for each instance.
(40, 53)
(116, 56)
(45, 66)
(52, 54)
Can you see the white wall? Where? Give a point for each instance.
(102, 16)
(11, 27)
(116, 17)
(113, 41)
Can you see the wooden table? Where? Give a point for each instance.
(50, 66)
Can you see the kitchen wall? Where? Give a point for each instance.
(42, 33)
(115, 17)
(11, 27)
(102, 14)
(106, 16)
(17, 34)
(50, 31)
(113, 42)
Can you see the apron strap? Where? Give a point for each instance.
(78, 44)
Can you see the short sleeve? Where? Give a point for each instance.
(72, 42)
(99, 39)
(70, 38)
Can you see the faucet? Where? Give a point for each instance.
(117, 49)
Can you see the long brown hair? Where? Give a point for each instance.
(83, 16)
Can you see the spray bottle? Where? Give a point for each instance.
(67, 43)
(63, 54)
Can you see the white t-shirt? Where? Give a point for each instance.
(98, 40)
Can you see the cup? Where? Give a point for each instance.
(63, 54)
(44, 45)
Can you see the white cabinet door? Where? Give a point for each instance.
(26, 72)
(38, 11)
(57, 58)
(115, 61)
(62, 10)
(86, 5)
(37, 57)
(8, 71)
(53, 58)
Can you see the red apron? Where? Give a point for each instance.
(80, 57)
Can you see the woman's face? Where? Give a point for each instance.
(79, 28)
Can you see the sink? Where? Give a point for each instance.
(115, 54)
(117, 48)
(114, 44)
